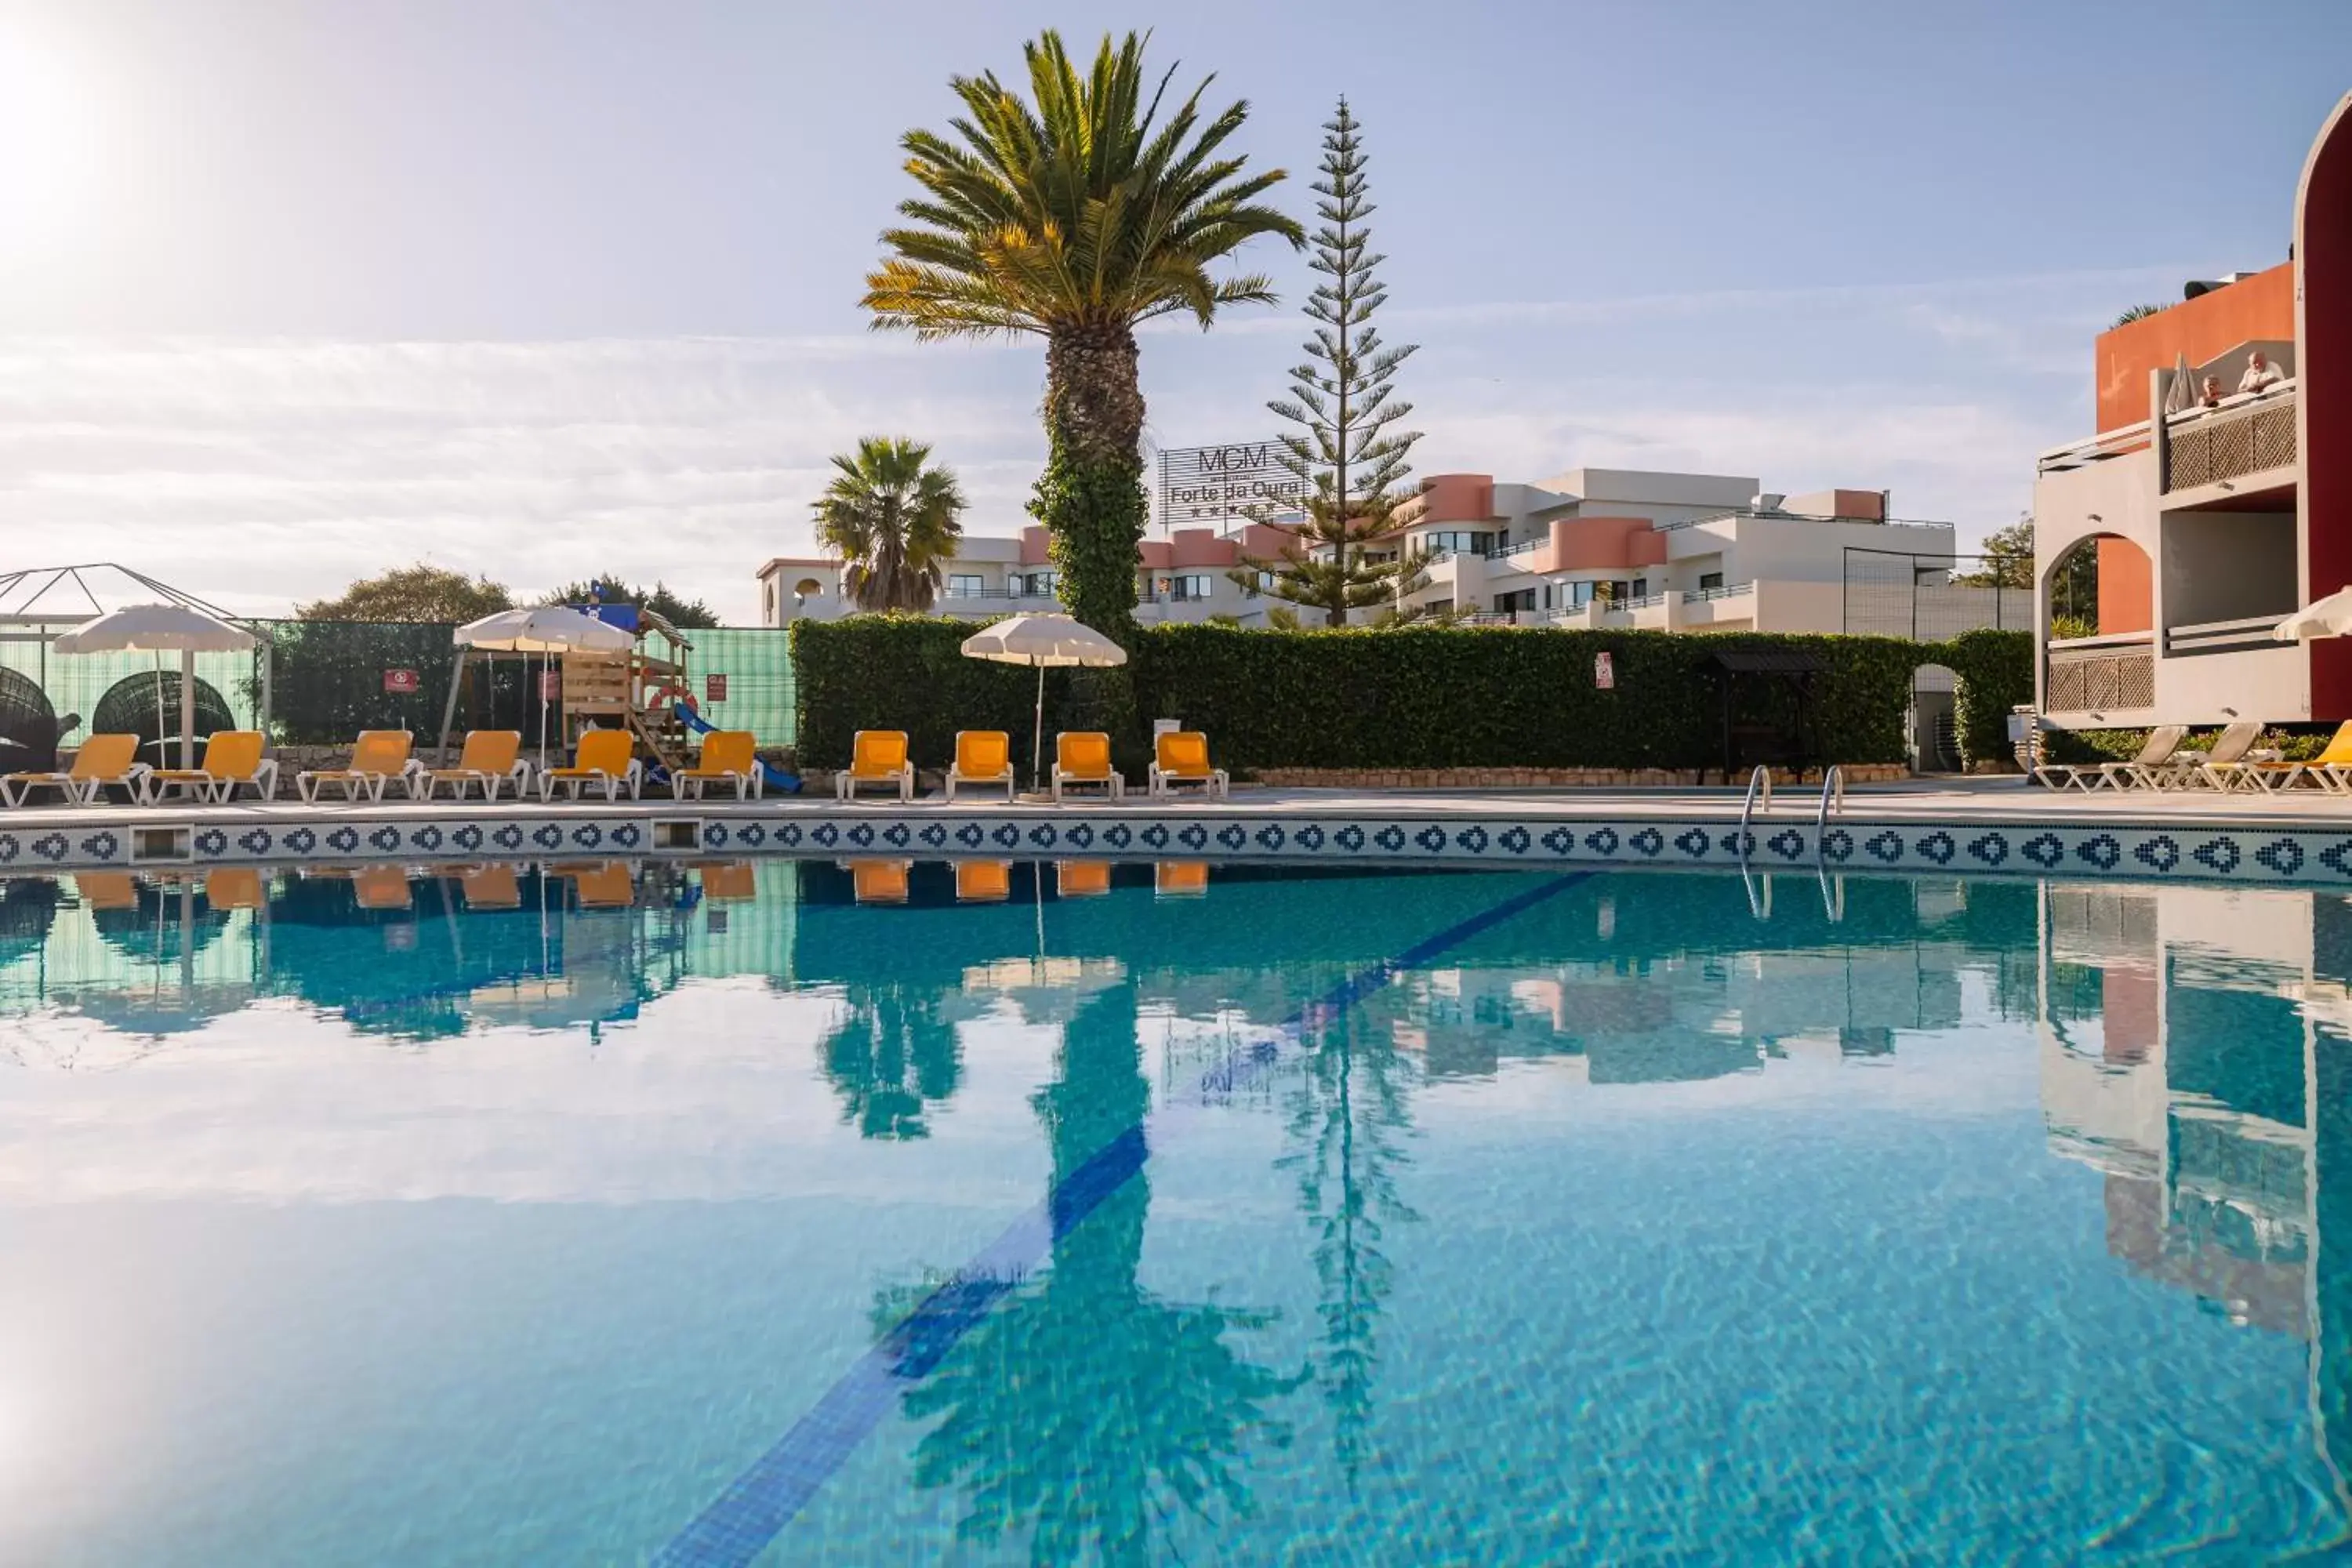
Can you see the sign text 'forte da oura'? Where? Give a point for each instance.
(1216, 484)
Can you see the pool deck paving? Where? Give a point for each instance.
(1949, 801)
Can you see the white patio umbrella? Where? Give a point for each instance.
(1049, 642)
(160, 628)
(543, 629)
(2328, 618)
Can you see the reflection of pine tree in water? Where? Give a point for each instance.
(1086, 1409)
(892, 1054)
(1349, 1110)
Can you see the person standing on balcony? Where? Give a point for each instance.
(2260, 374)
(2212, 394)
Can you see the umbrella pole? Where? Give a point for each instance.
(1037, 735)
(188, 708)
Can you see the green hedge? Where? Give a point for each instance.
(1996, 671)
(1414, 697)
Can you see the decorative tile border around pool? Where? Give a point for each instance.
(2144, 851)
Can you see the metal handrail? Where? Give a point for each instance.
(1762, 776)
(1831, 780)
(1721, 591)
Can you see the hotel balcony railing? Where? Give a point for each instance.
(2096, 449)
(2252, 632)
(1524, 547)
(2247, 434)
(1725, 591)
(1646, 602)
(2090, 674)
(993, 594)
(2207, 445)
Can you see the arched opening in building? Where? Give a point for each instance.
(2102, 585)
(1932, 729)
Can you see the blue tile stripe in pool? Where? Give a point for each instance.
(2286, 854)
(755, 1507)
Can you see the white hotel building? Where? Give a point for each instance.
(1603, 548)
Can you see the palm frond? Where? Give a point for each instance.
(1095, 199)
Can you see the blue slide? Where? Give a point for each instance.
(773, 778)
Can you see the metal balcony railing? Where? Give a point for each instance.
(2097, 448)
(2251, 632)
(993, 594)
(1724, 591)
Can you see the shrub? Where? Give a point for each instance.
(1416, 698)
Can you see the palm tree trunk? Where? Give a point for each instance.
(1090, 497)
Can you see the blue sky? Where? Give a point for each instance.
(291, 291)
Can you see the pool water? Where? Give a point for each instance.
(787, 1211)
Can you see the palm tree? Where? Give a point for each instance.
(1089, 1412)
(893, 522)
(1074, 215)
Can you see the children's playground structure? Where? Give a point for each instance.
(645, 689)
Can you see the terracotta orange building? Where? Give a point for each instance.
(2217, 490)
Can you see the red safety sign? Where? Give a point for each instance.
(1604, 673)
(551, 685)
(400, 681)
(714, 689)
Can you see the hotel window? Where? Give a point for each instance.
(966, 585)
(1640, 587)
(1460, 541)
(1709, 580)
(1038, 585)
(1185, 587)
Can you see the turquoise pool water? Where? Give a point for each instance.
(793, 1212)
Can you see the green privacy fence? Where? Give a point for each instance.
(74, 683)
(322, 682)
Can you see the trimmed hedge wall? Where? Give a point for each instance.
(1996, 671)
(1415, 698)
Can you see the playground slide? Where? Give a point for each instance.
(773, 778)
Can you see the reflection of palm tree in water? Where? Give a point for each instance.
(891, 1055)
(1349, 1110)
(1086, 1408)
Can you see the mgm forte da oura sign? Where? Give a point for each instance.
(1217, 484)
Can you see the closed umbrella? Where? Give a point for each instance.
(160, 628)
(2328, 618)
(1047, 641)
(542, 629)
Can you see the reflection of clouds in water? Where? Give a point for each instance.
(712, 1094)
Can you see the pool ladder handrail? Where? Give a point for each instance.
(1833, 798)
(1759, 779)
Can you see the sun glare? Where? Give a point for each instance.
(49, 126)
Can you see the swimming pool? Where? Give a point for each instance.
(784, 1211)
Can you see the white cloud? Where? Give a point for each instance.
(260, 472)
